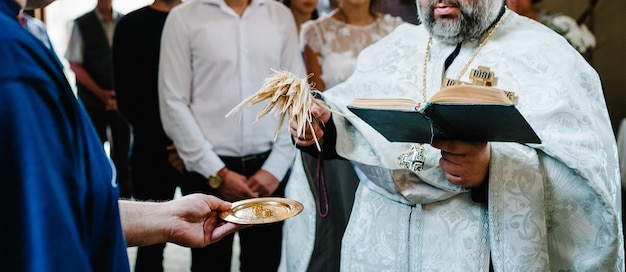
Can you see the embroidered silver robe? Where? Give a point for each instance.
(553, 206)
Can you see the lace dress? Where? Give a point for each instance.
(339, 43)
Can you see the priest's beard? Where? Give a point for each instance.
(476, 16)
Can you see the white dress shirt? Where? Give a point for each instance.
(211, 60)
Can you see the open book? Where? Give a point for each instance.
(460, 112)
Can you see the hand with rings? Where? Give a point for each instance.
(262, 183)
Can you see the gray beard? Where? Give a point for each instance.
(473, 21)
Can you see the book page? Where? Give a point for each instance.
(470, 94)
(385, 103)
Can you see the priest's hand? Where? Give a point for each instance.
(465, 163)
(321, 116)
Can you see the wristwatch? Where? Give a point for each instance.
(216, 180)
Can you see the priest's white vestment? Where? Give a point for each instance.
(553, 206)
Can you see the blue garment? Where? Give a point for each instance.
(58, 197)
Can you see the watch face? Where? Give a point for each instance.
(215, 182)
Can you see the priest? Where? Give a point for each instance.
(476, 206)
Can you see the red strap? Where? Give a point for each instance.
(321, 187)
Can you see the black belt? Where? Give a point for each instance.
(246, 165)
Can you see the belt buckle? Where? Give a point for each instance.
(246, 160)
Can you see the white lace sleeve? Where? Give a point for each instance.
(312, 37)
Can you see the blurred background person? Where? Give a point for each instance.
(331, 45)
(214, 54)
(326, 6)
(155, 167)
(89, 55)
(302, 10)
(577, 34)
(405, 9)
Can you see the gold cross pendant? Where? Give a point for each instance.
(481, 76)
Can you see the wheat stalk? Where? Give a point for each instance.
(288, 97)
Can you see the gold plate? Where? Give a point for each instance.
(262, 210)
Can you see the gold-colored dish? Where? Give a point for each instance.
(262, 210)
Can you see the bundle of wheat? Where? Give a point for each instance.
(288, 95)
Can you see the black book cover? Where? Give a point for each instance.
(469, 122)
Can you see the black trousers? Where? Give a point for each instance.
(260, 245)
(119, 138)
